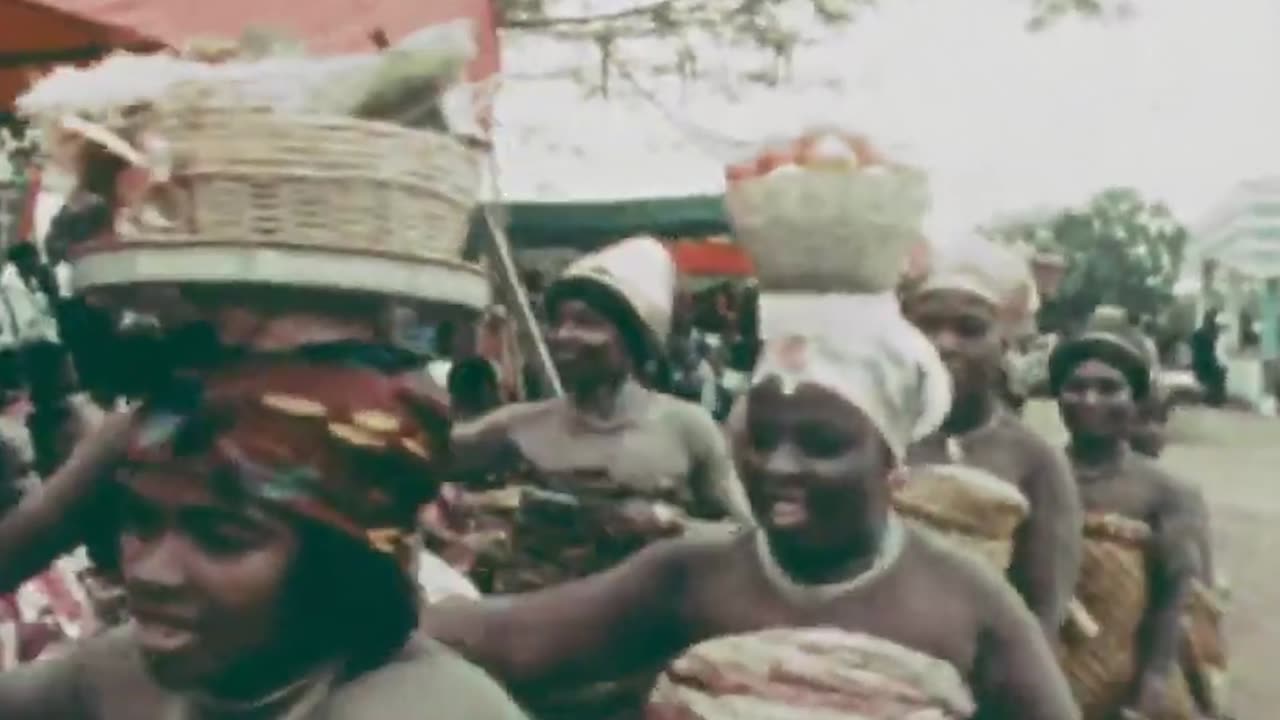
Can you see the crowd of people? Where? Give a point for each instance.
(280, 513)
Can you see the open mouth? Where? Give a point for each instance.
(160, 634)
(788, 513)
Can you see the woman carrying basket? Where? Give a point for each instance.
(1101, 378)
(843, 385)
(265, 511)
(974, 298)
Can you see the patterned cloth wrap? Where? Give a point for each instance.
(342, 435)
(808, 674)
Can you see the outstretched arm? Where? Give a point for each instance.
(50, 521)
(597, 628)
(1016, 674)
(1048, 548)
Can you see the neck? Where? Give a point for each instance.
(969, 413)
(827, 568)
(1097, 450)
(599, 399)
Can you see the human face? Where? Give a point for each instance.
(585, 345)
(1096, 401)
(816, 470)
(204, 579)
(965, 330)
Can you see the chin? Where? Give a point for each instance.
(173, 673)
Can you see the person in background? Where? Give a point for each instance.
(473, 389)
(975, 298)
(611, 315)
(819, 439)
(445, 342)
(1206, 362)
(1101, 379)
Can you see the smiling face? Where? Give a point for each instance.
(205, 579)
(966, 331)
(816, 469)
(1096, 401)
(586, 346)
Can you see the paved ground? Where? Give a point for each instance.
(1234, 458)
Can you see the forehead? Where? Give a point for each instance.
(767, 402)
(183, 486)
(1096, 370)
(579, 309)
(952, 304)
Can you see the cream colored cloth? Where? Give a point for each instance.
(990, 271)
(861, 348)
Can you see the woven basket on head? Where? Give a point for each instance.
(827, 231)
(330, 182)
(970, 507)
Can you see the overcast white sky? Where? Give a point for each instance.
(1182, 101)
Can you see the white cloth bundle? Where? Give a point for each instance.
(861, 348)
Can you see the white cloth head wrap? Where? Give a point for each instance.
(861, 348)
(995, 273)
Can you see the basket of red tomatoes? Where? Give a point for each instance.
(827, 212)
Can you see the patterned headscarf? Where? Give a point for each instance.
(352, 444)
(860, 347)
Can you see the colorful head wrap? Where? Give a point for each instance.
(862, 348)
(350, 445)
(990, 271)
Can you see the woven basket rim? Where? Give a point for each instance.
(1117, 528)
(98, 247)
(943, 522)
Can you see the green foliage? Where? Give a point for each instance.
(1120, 250)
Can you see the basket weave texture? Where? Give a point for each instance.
(314, 181)
(1113, 588)
(824, 231)
(975, 511)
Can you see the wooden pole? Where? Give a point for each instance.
(512, 294)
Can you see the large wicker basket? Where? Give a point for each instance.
(826, 231)
(970, 507)
(334, 196)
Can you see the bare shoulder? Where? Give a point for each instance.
(687, 415)
(1034, 448)
(506, 419)
(954, 571)
(425, 671)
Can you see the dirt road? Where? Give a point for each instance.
(1234, 458)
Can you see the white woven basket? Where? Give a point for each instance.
(827, 230)
(316, 181)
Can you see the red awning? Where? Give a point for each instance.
(720, 259)
(37, 33)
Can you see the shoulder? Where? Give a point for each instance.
(425, 672)
(1043, 462)
(507, 418)
(690, 419)
(1170, 491)
(953, 568)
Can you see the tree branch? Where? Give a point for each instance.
(537, 23)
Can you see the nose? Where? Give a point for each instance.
(156, 565)
(783, 461)
(945, 341)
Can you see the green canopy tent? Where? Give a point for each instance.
(586, 226)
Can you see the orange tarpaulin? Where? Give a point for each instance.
(37, 33)
(700, 258)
